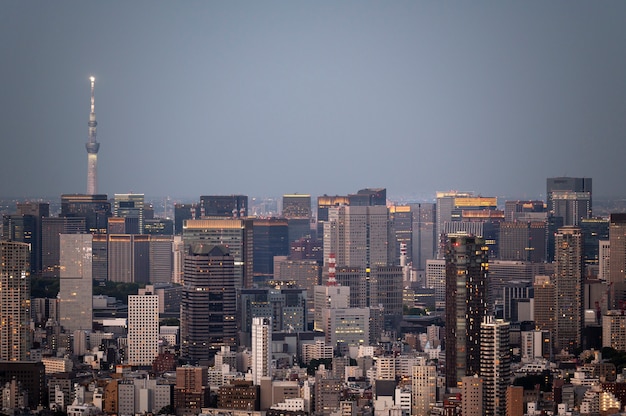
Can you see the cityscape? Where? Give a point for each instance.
(365, 241)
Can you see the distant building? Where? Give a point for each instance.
(15, 335)
(261, 348)
(230, 206)
(569, 198)
(76, 284)
(95, 209)
(52, 227)
(131, 208)
(236, 233)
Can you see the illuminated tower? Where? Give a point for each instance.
(92, 146)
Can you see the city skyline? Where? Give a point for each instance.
(317, 98)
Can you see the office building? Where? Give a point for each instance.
(516, 210)
(346, 326)
(297, 211)
(329, 297)
(95, 209)
(401, 230)
(158, 226)
(183, 212)
(327, 394)
(325, 202)
(617, 262)
(522, 240)
(143, 327)
(568, 280)
(235, 233)
(287, 308)
(466, 305)
(593, 231)
(128, 258)
(15, 338)
(51, 228)
(76, 285)
(306, 249)
(357, 235)
(495, 364)
(436, 279)
(131, 208)
(386, 284)
(604, 253)
(23, 229)
(569, 198)
(270, 240)
(38, 211)
(424, 234)
(208, 302)
(261, 348)
(545, 304)
(161, 259)
(230, 206)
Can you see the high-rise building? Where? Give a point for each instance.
(466, 305)
(401, 229)
(52, 227)
(15, 339)
(131, 208)
(569, 198)
(436, 278)
(604, 254)
(161, 259)
(236, 234)
(95, 209)
(357, 235)
(296, 206)
(617, 261)
(424, 234)
(261, 348)
(568, 280)
(208, 303)
(23, 229)
(183, 212)
(128, 258)
(522, 240)
(39, 211)
(76, 285)
(92, 146)
(495, 364)
(514, 210)
(143, 327)
(545, 304)
(270, 239)
(230, 206)
(593, 230)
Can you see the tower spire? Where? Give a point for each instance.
(92, 145)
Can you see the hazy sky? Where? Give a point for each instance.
(272, 97)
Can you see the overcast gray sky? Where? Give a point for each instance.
(273, 97)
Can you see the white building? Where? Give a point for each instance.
(261, 350)
(143, 328)
(76, 285)
(436, 279)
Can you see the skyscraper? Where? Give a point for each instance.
(568, 279)
(357, 235)
(617, 259)
(424, 388)
(130, 207)
(15, 339)
(230, 206)
(569, 198)
(143, 327)
(95, 209)
(495, 364)
(261, 348)
(92, 146)
(237, 234)
(76, 285)
(466, 305)
(208, 304)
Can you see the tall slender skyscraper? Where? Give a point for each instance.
(568, 286)
(261, 348)
(14, 301)
(92, 146)
(466, 305)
